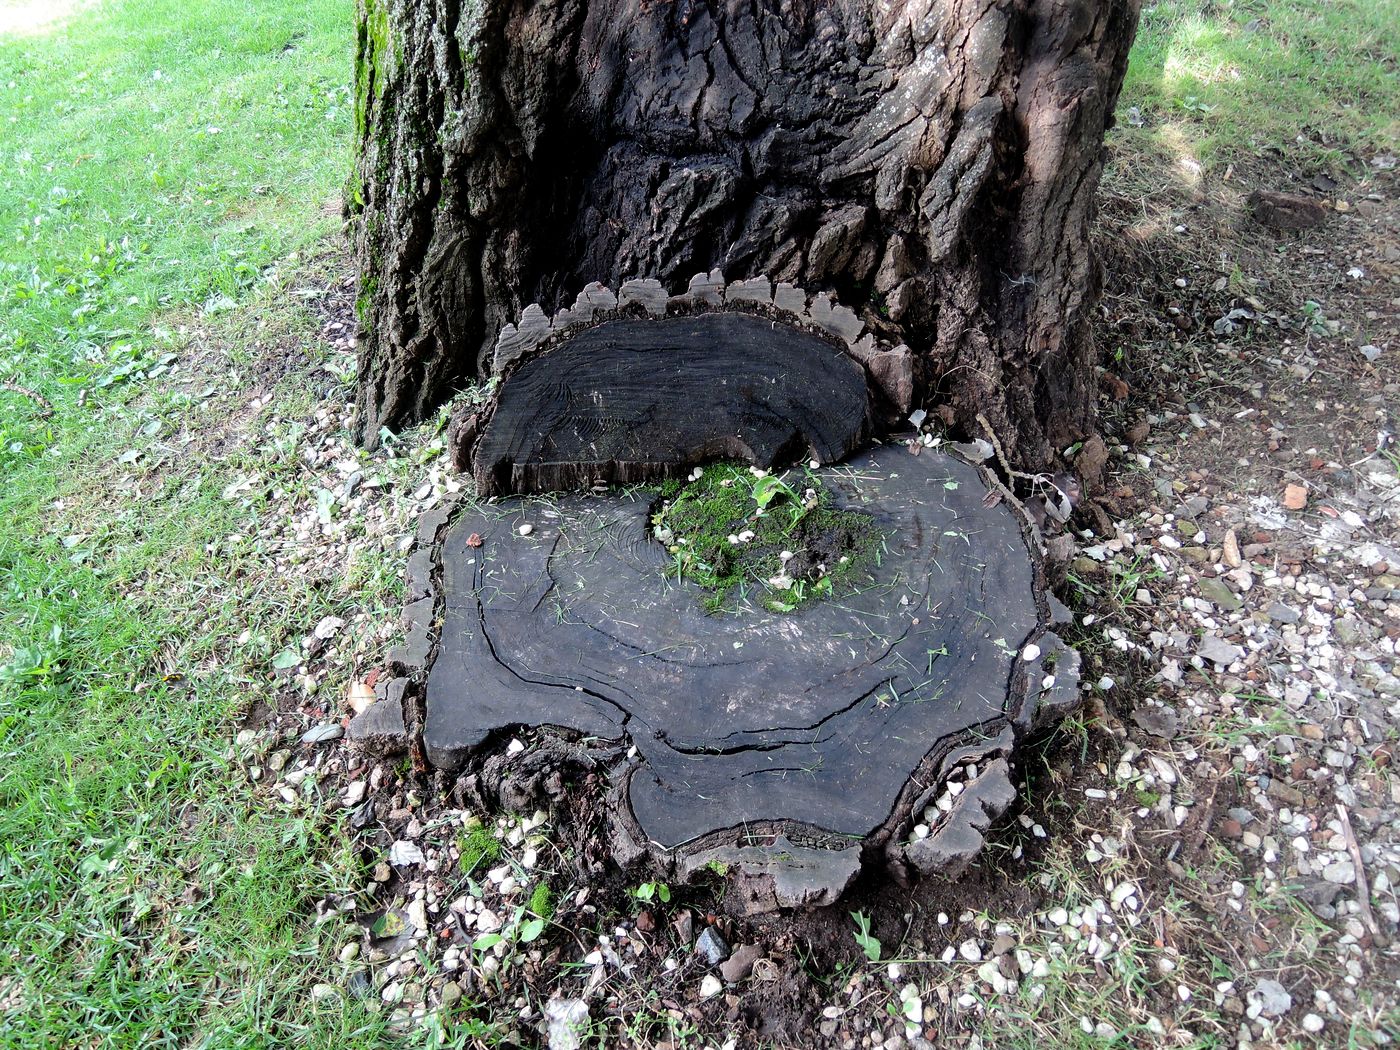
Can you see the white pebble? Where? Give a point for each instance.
(525, 529)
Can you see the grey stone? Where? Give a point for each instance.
(1342, 873)
(712, 946)
(359, 985)
(567, 1021)
(1318, 893)
(362, 816)
(1280, 613)
(1195, 506)
(1272, 997)
(1349, 631)
(323, 734)
(1156, 720)
(1218, 651)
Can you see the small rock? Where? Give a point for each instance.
(328, 627)
(1319, 893)
(1313, 1023)
(710, 986)
(1280, 613)
(1230, 550)
(324, 992)
(1218, 651)
(739, 965)
(404, 852)
(1157, 720)
(1342, 873)
(712, 946)
(567, 1021)
(1272, 997)
(359, 985)
(1295, 496)
(525, 529)
(1003, 944)
(323, 734)
(1217, 593)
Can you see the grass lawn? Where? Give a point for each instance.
(163, 163)
(169, 187)
(1308, 83)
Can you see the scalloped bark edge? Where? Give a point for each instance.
(888, 369)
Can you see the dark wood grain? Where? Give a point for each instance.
(815, 720)
(636, 400)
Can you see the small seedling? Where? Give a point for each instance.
(649, 891)
(869, 944)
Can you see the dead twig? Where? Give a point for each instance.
(45, 406)
(1005, 490)
(1363, 889)
(1001, 455)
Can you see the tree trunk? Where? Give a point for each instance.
(931, 163)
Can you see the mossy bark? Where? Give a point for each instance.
(932, 162)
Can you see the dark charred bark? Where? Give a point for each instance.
(933, 164)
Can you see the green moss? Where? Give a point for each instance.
(729, 529)
(542, 902)
(375, 46)
(478, 845)
(365, 299)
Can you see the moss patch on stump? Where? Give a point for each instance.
(740, 532)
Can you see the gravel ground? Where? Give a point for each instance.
(1207, 856)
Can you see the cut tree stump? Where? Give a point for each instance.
(627, 400)
(640, 386)
(792, 748)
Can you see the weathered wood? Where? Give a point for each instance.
(822, 727)
(933, 162)
(639, 400)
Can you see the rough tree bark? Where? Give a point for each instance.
(933, 163)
